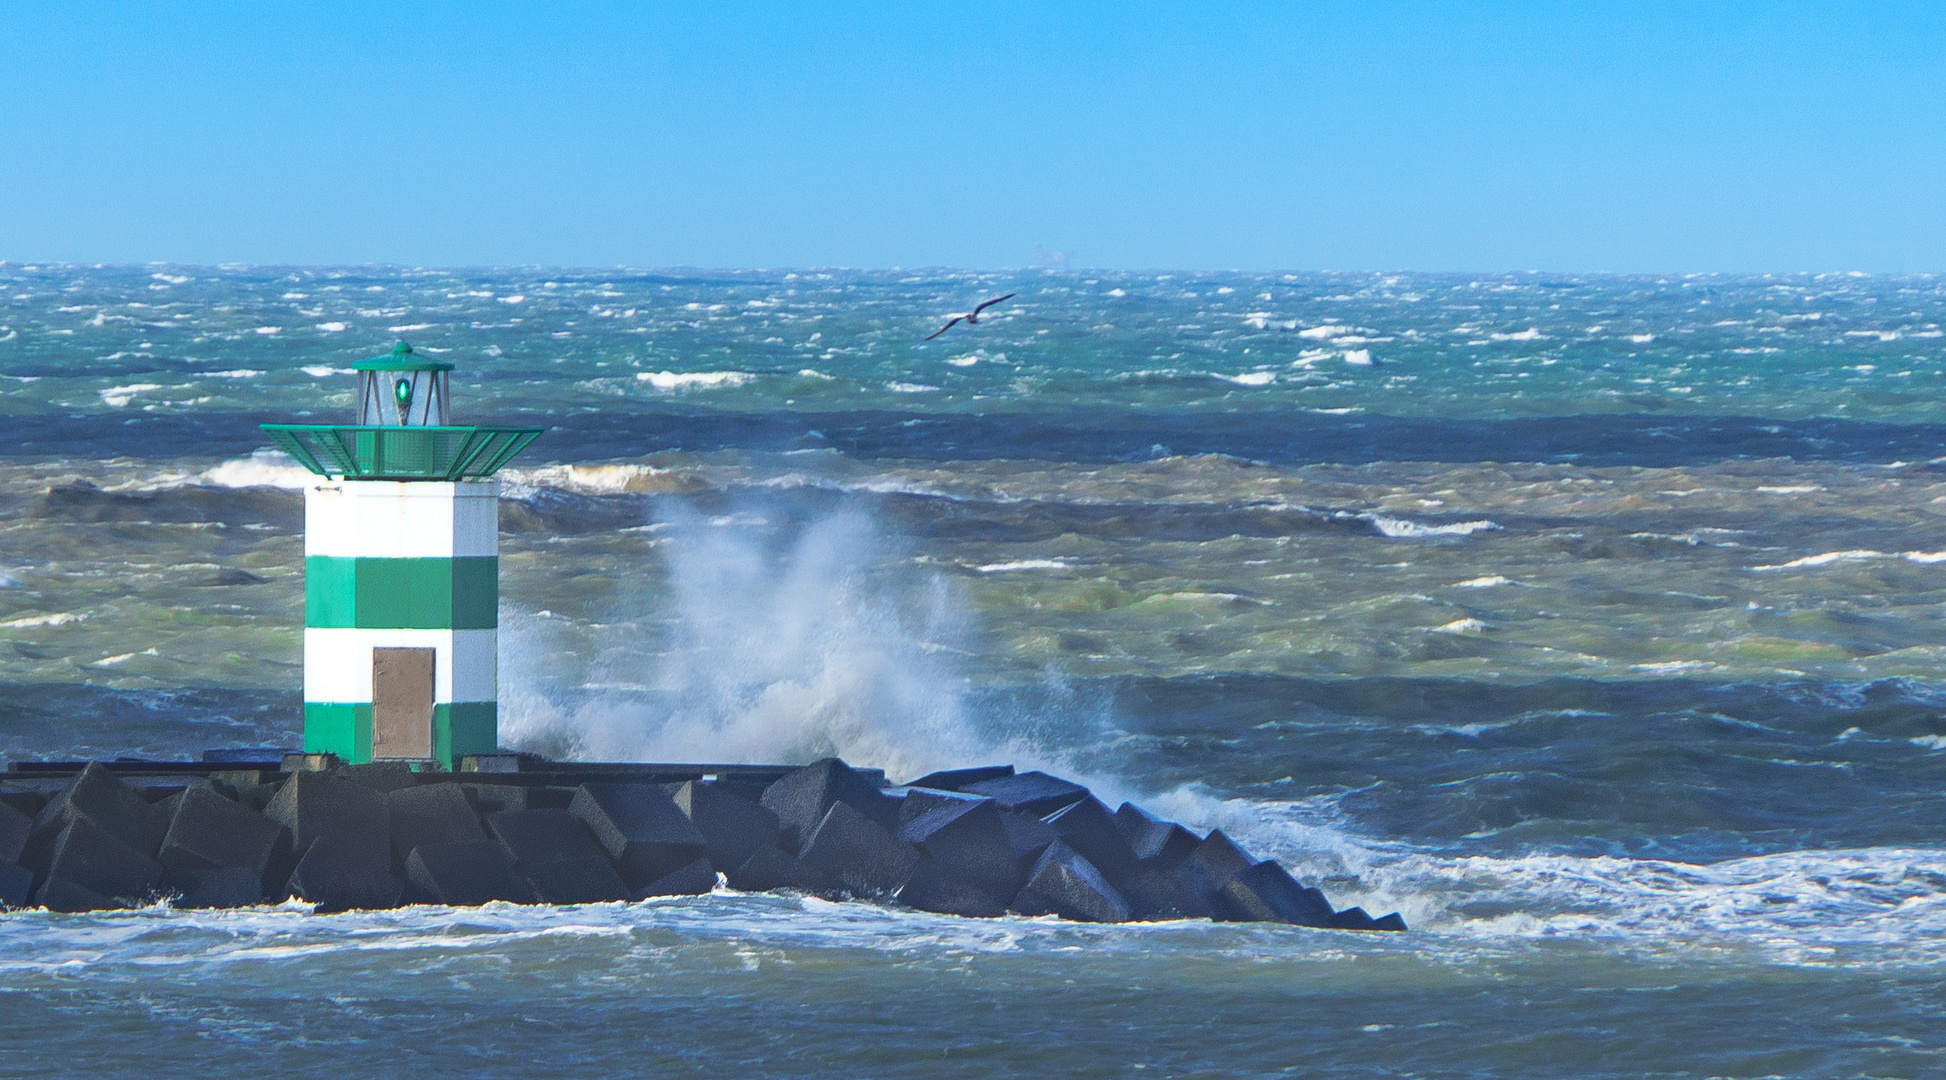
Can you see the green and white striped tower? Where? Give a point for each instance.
(401, 570)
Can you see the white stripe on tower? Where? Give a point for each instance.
(338, 662)
(402, 519)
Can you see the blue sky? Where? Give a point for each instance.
(1430, 136)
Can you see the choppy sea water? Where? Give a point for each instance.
(1592, 622)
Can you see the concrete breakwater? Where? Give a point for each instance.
(974, 842)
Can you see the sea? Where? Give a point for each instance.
(1594, 623)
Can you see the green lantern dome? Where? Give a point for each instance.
(403, 429)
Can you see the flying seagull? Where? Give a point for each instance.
(972, 317)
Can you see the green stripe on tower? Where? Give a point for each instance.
(345, 728)
(402, 594)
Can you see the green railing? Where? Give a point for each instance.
(358, 452)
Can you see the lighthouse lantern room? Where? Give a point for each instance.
(401, 570)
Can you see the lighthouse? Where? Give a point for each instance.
(401, 570)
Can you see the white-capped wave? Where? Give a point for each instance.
(911, 388)
(600, 478)
(1404, 529)
(61, 618)
(1482, 582)
(1358, 357)
(333, 327)
(264, 468)
(1248, 378)
(693, 380)
(1673, 667)
(1022, 564)
(116, 397)
(1463, 626)
(1828, 558)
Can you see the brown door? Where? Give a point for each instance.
(402, 703)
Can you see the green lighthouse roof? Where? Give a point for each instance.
(401, 358)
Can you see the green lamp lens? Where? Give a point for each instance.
(402, 392)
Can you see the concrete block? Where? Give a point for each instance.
(283, 862)
(61, 894)
(693, 879)
(16, 885)
(968, 842)
(801, 799)
(851, 853)
(641, 828)
(1265, 892)
(257, 796)
(1352, 918)
(1089, 827)
(219, 887)
(297, 762)
(921, 801)
(209, 831)
(1035, 794)
(534, 837)
(1214, 862)
(314, 805)
(767, 869)
(955, 779)
(1028, 837)
(1155, 891)
(90, 868)
(15, 828)
(340, 873)
(733, 827)
(466, 873)
(380, 776)
(1393, 922)
(495, 798)
(26, 800)
(99, 797)
(1063, 882)
(550, 798)
(1151, 838)
(575, 881)
(930, 888)
(430, 814)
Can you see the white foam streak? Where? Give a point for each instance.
(1830, 558)
(670, 381)
(62, 618)
(1404, 529)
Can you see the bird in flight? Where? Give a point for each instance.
(972, 318)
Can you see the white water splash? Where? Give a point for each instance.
(826, 646)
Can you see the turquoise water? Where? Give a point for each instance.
(1592, 622)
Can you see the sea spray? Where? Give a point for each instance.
(772, 639)
(822, 641)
